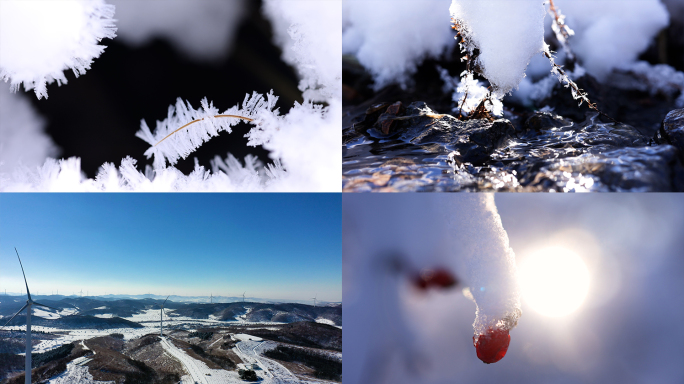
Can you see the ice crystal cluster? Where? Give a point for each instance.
(388, 239)
(41, 39)
(303, 144)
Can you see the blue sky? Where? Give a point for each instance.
(278, 246)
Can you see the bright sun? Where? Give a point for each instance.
(554, 281)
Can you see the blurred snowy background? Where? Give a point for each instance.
(221, 50)
(627, 330)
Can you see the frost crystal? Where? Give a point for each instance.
(41, 39)
(316, 55)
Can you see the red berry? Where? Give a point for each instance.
(492, 346)
(438, 278)
(443, 279)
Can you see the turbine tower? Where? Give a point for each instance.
(29, 303)
(211, 298)
(161, 313)
(243, 296)
(314, 299)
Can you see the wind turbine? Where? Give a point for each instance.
(243, 296)
(161, 313)
(211, 298)
(314, 299)
(29, 303)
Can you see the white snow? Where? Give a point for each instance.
(326, 321)
(68, 311)
(271, 372)
(391, 38)
(37, 311)
(75, 374)
(22, 137)
(507, 33)
(197, 369)
(612, 33)
(40, 39)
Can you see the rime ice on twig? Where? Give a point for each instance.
(577, 93)
(562, 31)
(166, 145)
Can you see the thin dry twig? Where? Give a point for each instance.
(195, 121)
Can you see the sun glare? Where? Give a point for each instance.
(554, 281)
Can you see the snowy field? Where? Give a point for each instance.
(149, 319)
(77, 372)
(250, 350)
(199, 371)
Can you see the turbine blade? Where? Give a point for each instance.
(46, 306)
(22, 272)
(167, 297)
(15, 315)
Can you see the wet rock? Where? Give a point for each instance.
(546, 152)
(473, 140)
(672, 131)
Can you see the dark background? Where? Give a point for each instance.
(95, 116)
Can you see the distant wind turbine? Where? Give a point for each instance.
(243, 296)
(161, 313)
(29, 303)
(314, 299)
(211, 298)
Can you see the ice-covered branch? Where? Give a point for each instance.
(170, 141)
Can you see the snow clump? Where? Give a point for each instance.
(21, 125)
(612, 33)
(390, 39)
(485, 23)
(41, 39)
